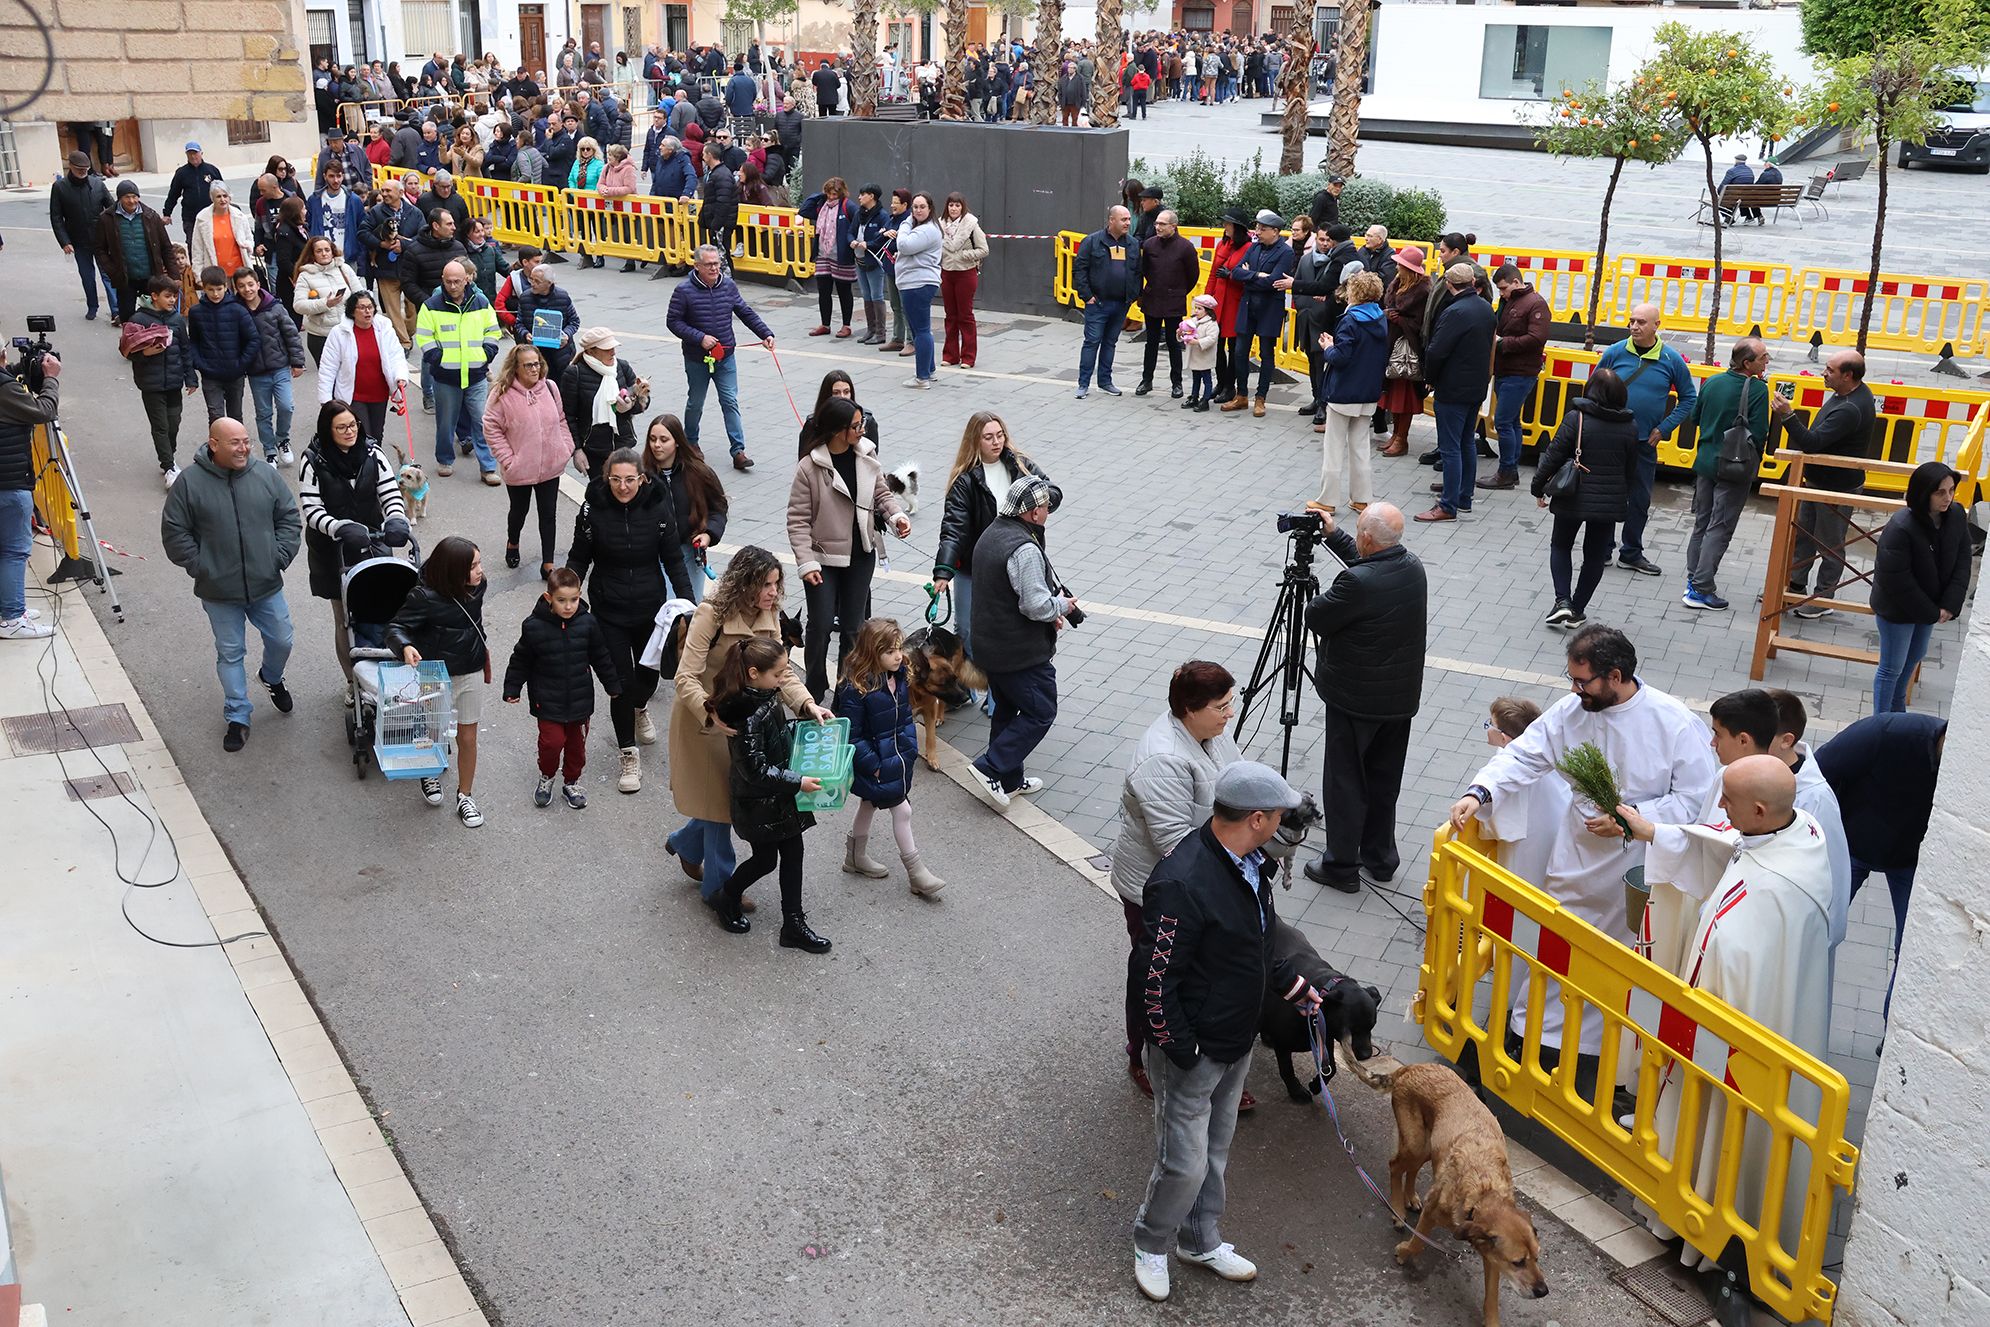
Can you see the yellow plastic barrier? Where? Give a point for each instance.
(519, 213)
(52, 497)
(1484, 921)
(1916, 423)
(1909, 312)
(633, 227)
(777, 241)
(1969, 460)
(1560, 276)
(1752, 294)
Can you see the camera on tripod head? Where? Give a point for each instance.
(29, 353)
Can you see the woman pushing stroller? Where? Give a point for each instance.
(352, 509)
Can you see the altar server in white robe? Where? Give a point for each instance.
(1659, 752)
(1759, 888)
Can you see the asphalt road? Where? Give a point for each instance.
(621, 1115)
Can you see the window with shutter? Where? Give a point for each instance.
(426, 26)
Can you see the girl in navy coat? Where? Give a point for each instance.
(875, 697)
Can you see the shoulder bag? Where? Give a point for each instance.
(1404, 362)
(1565, 481)
(1739, 458)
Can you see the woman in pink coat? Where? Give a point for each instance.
(618, 180)
(527, 431)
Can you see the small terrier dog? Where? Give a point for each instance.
(904, 485)
(414, 487)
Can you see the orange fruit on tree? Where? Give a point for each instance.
(1831, 106)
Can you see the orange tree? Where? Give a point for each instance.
(1893, 92)
(1632, 121)
(1722, 87)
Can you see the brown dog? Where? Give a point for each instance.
(1440, 1123)
(942, 676)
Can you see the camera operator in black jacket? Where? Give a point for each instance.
(1200, 970)
(21, 409)
(1370, 623)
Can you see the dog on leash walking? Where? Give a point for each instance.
(414, 486)
(1348, 1008)
(1440, 1123)
(904, 485)
(942, 676)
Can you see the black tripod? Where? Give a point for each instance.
(1282, 657)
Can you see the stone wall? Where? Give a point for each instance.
(1916, 1256)
(159, 59)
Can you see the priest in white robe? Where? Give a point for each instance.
(1759, 887)
(1659, 752)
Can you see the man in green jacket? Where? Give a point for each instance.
(231, 523)
(1717, 505)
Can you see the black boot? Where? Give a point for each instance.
(726, 904)
(629, 265)
(795, 934)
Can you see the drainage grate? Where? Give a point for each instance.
(93, 725)
(1658, 1285)
(99, 785)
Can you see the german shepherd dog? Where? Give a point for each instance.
(1348, 1007)
(942, 676)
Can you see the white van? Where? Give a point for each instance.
(1964, 137)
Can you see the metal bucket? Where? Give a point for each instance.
(1636, 895)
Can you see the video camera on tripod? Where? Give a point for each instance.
(29, 353)
(31, 368)
(1282, 658)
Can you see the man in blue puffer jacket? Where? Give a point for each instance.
(225, 345)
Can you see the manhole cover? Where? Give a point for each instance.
(91, 725)
(1654, 1284)
(99, 785)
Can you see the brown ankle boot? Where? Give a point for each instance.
(1399, 438)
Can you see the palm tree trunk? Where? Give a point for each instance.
(1049, 61)
(864, 60)
(1714, 308)
(1298, 78)
(1107, 50)
(1597, 269)
(1351, 61)
(953, 96)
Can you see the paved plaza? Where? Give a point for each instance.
(604, 1100)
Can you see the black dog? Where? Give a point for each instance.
(1348, 1007)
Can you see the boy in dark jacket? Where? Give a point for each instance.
(163, 371)
(556, 646)
(279, 358)
(225, 345)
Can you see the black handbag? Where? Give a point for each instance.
(1739, 459)
(1565, 481)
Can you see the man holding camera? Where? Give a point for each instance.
(1200, 970)
(1370, 624)
(1018, 610)
(21, 409)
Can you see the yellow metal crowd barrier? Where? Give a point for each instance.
(1909, 312)
(1914, 424)
(1729, 1071)
(52, 497)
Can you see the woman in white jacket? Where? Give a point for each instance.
(363, 364)
(323, 281)
(204, 250)
(1169, 792)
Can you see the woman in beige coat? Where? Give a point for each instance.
(746, 602)
(832, 533)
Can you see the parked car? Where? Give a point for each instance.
(1964, 136)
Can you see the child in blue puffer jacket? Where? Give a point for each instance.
(875, 696)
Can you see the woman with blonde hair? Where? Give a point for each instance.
(526, 427)
(466, 154)
(586, 174)
(985, 464)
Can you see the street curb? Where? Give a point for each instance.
(423, 1272)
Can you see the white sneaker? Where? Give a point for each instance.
(472, 818)
(25, 628)
(1150, 1273)
(285, 457)
(1223, 1260)
(632, 771)
(170, 475)
(645, 727)
(1031, 784)
(920, 383)
(993, 791)
(431, 791)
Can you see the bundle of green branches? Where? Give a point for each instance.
(1593, 779)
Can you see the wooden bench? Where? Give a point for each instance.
(1773, 198)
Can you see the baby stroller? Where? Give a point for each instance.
(389, 694)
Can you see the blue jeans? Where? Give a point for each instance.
(17, 541)
(918, 301)
(1103, 321)
(696, 570)
(1638, 508)
(1510, 395)
(230, 622)
(1025, 708)
(870, 283)
(725, 374)
(1901, 648)
(706, 843)
(1455, 450)
(455, 404)
(271, 392)
(1900, 884)
(963, 608)
(86, 267)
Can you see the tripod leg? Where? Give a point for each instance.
(1262, 670)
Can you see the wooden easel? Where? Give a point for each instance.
(1776, 597)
